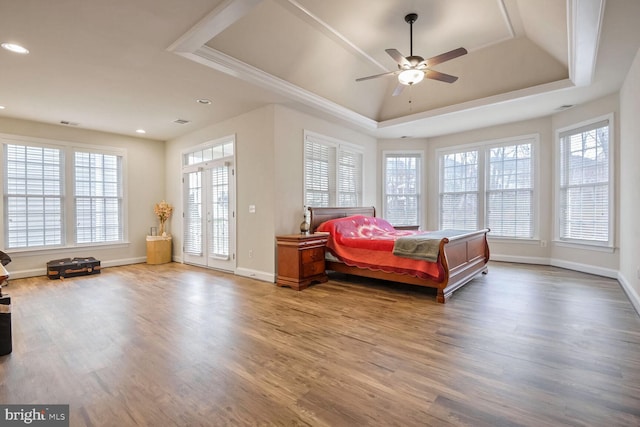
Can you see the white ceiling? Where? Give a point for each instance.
(122, 65)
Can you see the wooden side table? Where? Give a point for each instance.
(158, 249)
(301, 260)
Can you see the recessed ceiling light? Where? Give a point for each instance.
(203, 101)
(2, 107)
(15, 48)
(141, 131)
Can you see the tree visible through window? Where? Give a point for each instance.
(401, 188)
(459, 190)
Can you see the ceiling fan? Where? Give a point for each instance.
(413, 69)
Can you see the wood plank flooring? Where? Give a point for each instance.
(175, 345)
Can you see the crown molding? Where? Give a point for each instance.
(229, 65)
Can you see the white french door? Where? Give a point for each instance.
(209, 215)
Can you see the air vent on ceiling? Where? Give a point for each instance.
(68, 123)
(181, 121)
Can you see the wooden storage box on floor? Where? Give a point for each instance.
(158, 249)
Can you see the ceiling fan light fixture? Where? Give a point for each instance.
(410, 77)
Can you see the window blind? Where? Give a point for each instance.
(510, 191)
(98, 197)
(192, 233)
(219, 233)
(584, 183)
(459, 190)
(332, 173)
(33, 196)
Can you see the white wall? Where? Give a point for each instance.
(269, 162)
(289, 160)
(254, 185)
(629, 186)
(144, 186)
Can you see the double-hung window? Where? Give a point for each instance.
(459, 186)
(98, 197)
(490, 185)
(401, 187)
(585, 190)
(332, 172)
(58, 195)
(33, 196)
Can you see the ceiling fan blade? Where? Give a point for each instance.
(390, 73)
(447, 56)
(436, 75)
(398, 90)
(398, 57)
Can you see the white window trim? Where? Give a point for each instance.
(68, 149)
(338, 144)
(581, 244)
(208, 144)
(421, 175)
(483, 162)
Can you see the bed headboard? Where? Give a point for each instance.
(320, 215)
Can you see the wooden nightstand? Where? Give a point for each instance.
(301, 260)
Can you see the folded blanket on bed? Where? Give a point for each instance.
(423, 246)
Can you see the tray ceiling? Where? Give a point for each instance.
(121, 66)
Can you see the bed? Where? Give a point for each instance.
(460, 257)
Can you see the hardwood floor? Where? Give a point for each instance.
(164, 345)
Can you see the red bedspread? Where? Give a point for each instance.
(367, 242)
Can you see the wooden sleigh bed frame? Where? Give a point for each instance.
(462, 257)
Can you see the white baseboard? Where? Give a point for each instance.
(520, 259)
(585, 268)
(576, 266)
(255, 274)
(22, 274)
(632, 294)
(126, 261)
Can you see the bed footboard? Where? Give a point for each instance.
(462, 258)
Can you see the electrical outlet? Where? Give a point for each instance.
(543, 243)
(250, 253)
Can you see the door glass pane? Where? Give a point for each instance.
(193, 214)
(219, 221)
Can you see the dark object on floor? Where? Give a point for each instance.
(6, 344)
(67, 267)
(4, 274)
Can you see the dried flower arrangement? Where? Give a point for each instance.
(163, 211)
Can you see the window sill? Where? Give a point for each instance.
(584, 246)
(511, 240)
(22, 252)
